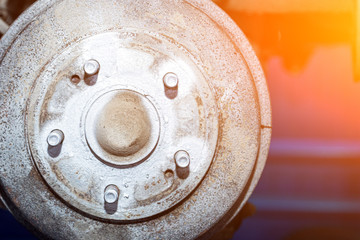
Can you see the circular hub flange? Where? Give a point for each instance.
(123, 129)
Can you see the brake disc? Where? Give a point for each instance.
(129, 119)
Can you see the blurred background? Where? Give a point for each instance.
(310, 52)
(310, 188)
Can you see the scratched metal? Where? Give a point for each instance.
(206, 40)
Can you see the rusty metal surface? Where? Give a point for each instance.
(140, 127)
(198, 30)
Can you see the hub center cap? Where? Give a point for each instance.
(122, 127)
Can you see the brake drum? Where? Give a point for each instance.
(125, 119)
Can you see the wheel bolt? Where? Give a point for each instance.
(55, 138)
(171, 80)
(111, 194)
(91, 67)
(182, 159)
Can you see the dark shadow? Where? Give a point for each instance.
(228, 232)
(12, 229)
(91, 80)
(171, 93)
(183, 172)
(54, 151)
(111, 208)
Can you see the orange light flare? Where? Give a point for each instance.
(308, 49)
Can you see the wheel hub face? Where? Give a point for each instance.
(122, 129)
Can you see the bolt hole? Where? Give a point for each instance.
(75, 79)
(169, 173)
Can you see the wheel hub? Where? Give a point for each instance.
(129, 119)
(120, 126)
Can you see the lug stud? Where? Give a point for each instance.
(55, 138)
(182, 159)
(171, 83)
(91, 67)
(171, 80)
(111, 194)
